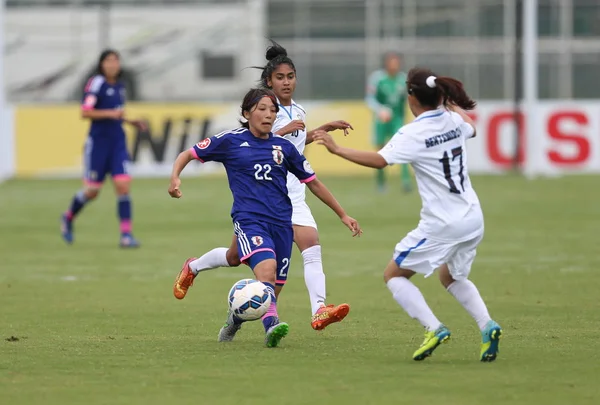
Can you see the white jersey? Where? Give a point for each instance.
(287, 114)
(434, 144)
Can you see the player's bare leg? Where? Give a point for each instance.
(412, 301)
(307, 240)
(468, 296)
(122, 185)
(218, 257)
(80, 199)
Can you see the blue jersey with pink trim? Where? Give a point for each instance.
(101, 95)
(257, 172)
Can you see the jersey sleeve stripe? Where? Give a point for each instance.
(93, 85)
(195, 155)
(311, 178)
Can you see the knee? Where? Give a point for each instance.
(387, 276)
(393, 271)
(233, 258)
(91, 193)
(122, 187)
(445, 276)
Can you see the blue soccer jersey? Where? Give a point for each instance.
(257, 172)
(101, 95)
(106, 147)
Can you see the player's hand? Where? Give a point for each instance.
(295, 125)
(340, 124)
(353, 225)
(139, 124)
(174, 187)
(323, 138)
(384, 115)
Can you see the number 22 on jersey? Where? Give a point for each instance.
(453, 161)
(262, 172)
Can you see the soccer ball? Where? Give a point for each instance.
(249, 299)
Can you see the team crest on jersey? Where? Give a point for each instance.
(203, 144)
(307, 167)
(257, 240)
(278, 156)
(110, 92)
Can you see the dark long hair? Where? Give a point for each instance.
(276, 55)
(444, 90)
(105, 54)
(252, 97)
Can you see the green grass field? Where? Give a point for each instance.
(98, 325)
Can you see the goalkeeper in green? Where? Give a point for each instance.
(386, 97)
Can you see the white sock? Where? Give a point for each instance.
(410, 298)
(314, 277)
(210, 260)
(467, 294)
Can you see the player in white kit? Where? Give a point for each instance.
(279, 75)
(451, 225)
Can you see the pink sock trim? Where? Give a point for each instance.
(272, 311)
(69, 215)
(125, 226)
(121, 177)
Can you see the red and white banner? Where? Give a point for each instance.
(562, 137)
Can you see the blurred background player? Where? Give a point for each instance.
(451, 225)
(386, 97)
(257, 165)
(106, 147)
(279, 75)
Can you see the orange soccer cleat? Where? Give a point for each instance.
(184, 280)
(329, 314)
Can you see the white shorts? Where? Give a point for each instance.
(301, 215)
(417, 253)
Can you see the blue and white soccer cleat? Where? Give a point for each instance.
(128, 241)
(490, 340)
(431, 342)
(66, 229)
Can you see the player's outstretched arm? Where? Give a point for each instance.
(181, 162)
(323, 194)
(361, 157)
(330, 126)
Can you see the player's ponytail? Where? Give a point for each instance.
(431, 90)
(252, 97)
(276, 55)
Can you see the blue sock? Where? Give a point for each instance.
(270, 318)
(78, 202)
(124, 209)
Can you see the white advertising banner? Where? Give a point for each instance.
(564, 137)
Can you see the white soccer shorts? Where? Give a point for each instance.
(422, 255)
(301, 215)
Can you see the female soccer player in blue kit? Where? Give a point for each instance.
(106, 147)
(279, 75)
(257, 163)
